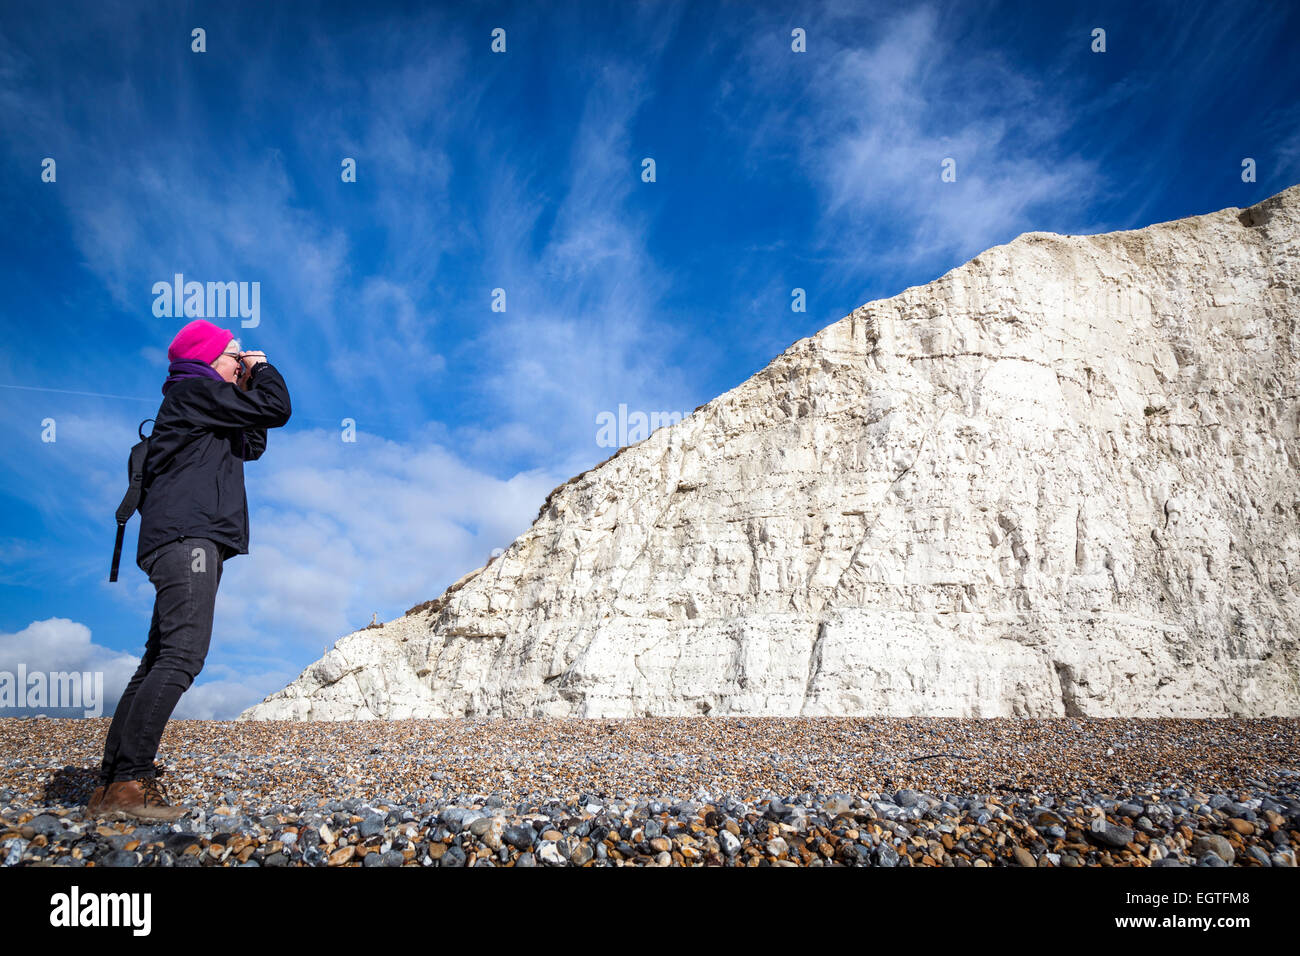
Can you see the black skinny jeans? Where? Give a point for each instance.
(178, 643)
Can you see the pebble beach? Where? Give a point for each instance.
(689, 791)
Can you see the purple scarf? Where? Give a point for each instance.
(189, 368)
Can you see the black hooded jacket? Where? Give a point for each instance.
(194, 473)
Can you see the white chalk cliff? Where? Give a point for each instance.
(1061, 479)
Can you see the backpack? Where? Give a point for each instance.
(135, 471)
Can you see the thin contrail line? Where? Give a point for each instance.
(136, 398)
(64, 391)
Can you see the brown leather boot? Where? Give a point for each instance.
(140, 799)
(97, 795)
(96, 798)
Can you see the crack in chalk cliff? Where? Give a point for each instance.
(374, 698)
(1080, 530)
(669, 503)
(636, 658)
(313, 671)
(814, 654)
(359, 693)
(866, 534)
(1065, 678)
(755, 580)
(993, 358)
(880, 511)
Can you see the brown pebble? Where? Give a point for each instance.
(342, 855)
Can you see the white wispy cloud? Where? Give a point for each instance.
(580, 334)
(875, 106)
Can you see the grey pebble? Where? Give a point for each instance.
(46, 825)
(1109, 834)
(454, 856)
(11, 851)
(886, 855)
(519, 837)
(1213, 844)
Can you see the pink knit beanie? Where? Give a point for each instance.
(199, 340)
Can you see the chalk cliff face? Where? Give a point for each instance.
(1061, 479)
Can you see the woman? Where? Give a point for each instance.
(193, 517)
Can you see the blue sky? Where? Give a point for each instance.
(520, 170)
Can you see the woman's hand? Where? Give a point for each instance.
(249, 359)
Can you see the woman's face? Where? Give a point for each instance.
(227, 365)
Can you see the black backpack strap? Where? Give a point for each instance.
(131, 501)
(117, 551)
